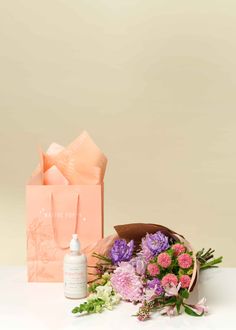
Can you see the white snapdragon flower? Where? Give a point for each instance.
(106, 293)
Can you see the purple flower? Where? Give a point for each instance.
(156, 285)
(121, 251)
(145, 252)
(140, 267)
(153, 244)
(139, 264)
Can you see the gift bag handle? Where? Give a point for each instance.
(54, 225)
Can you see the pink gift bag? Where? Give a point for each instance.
(55, 212)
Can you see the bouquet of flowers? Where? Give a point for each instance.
(149, 265)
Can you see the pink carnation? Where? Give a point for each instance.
(164, 260)
(126, 282)
(153, 269)
(185, 260)
(178, 249)
(185, 281)
(169, 279)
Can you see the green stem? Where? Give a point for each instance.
(211, 264)
(99, 256)
(96, 279)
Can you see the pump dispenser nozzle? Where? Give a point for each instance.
(74, 243)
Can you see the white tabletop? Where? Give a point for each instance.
(43, 306)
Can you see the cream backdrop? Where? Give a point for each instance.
(153, 82)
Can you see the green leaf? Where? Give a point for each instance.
(91, 306)
(190, 271)
(191, 312)
(178, 305)
(75, 310)
(181, 272)
(184, 293)
(92, 287)
(171, 301)
(170, 252)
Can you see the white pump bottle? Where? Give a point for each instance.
(75, 271)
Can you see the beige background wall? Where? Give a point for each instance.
(153, 82)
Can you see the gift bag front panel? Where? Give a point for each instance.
(54, 213)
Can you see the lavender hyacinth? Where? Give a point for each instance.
(121, 251)
(153, 244)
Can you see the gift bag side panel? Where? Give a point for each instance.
(90, 225)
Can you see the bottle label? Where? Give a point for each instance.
(75, 279)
